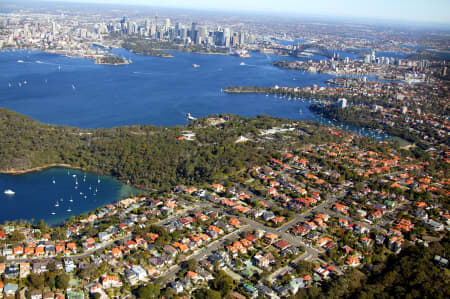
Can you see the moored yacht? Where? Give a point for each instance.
(9, 192)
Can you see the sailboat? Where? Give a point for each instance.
(73, 87)
(57, 204)
(9, 84)
(53, 181)
(98, 179)
(71, 200)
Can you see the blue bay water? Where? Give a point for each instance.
(36, 195)
(151, 90)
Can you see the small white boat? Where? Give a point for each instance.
(74, 175)
(73, 87)
(25, 82)
(53, 181)
(53, 213)
(57, 204)
(9, 84)
(190, 117)
(9, 192)
(242, 63)
(20, 61)
(69, 210)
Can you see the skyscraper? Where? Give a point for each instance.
(226, 37)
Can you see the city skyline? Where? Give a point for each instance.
(403, 11)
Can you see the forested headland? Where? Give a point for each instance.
(145, 156)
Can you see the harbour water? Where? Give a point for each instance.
(151, 90)
(62, 191)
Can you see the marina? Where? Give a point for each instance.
(36, 197)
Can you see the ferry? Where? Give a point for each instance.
(9, 192)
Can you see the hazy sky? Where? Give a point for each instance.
(402, 10)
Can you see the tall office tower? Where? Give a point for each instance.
(242, 38)
(183, 32)
(53, 28)
(134, 28)
(178, 27)
(218, 37)
(147, 25)
(123, 25)
(226, 37)
(167, 23)
(202, 35)
(26, 29)
(153, 31)
(373, 57)
(193, 33)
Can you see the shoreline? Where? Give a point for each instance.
(38, 169)
(62, 165)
